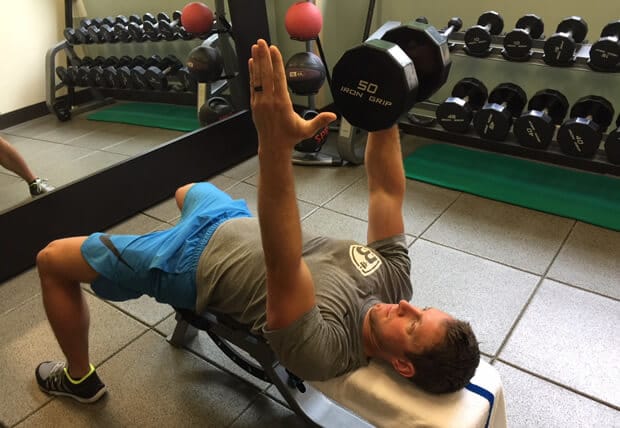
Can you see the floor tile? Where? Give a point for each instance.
(243, 170)
(146, 309)
(318, 185)
(323, 222)
(505, 233)
(151, 383)
(249, 192)
(570, 336)
(79, 168)
(34, 127)
(19, 289)
(532, 402)
(422, 205)
(267, 413)
(590, 258)
(27, 339)
(487, 294)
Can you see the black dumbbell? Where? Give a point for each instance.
(581, 135)
(536, 127)
(456, 112)
(431, 67)
(153, 29)
(560, 48)
(187, 82)
(494, 119)
(170, 28)
(159, 77)
(518, 42)
(138, 73)
(64, 76)
(375, 83)
(478, 37)
(612, 144)
(121, 27)
(605, 52)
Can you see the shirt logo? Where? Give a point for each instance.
(364, 259)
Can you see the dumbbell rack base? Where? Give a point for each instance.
(510, 146)
(51, 87)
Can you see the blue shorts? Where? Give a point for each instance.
(161, 264)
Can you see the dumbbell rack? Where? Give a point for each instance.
(97, 97)
(64, 110)
(421, 119)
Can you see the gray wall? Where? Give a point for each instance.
(343, 28)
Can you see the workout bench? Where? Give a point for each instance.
(378, 396)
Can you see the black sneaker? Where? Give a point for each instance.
(52, 378)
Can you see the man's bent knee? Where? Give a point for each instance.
(179, 195)
(62, 258)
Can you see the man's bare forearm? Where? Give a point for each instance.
(277, 209)
(384, 162)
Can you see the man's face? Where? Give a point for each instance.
(402, 327)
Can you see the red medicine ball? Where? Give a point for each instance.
(303, 21)
(197, 18)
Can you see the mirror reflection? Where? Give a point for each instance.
(50, 153)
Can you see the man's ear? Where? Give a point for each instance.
(403, 366)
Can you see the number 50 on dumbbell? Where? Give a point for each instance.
(376, 82)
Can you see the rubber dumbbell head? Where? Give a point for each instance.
(305, 73)
(158, 76)
(316, 142)
(536, 127)
(214, 110)
(373, 84)
(478, 38)
(605, 52)
(456, 112)
(518, 42)
(428, 49)
(581, 135)
(494, 119)
(612, 144)
(559, 49)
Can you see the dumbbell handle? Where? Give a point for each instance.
(455, 26)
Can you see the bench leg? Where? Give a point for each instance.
(182, 334)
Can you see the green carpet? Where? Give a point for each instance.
(574, 194)
(167, 116)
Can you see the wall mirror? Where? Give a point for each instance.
(112, 191)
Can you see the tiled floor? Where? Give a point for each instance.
(541, 291)
(63, 152)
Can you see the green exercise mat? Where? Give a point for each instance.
(584, 196)
(167, 116)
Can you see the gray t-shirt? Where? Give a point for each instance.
(348, 279)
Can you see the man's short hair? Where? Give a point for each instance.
(449, 365)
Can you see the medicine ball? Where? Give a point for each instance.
(303, 21)
(205, 64)
(305, 73)
(196, 17)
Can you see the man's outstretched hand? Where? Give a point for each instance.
(278, 125)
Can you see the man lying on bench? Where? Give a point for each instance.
(325, 306)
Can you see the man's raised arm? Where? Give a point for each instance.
(386, 184)
(290, 290)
